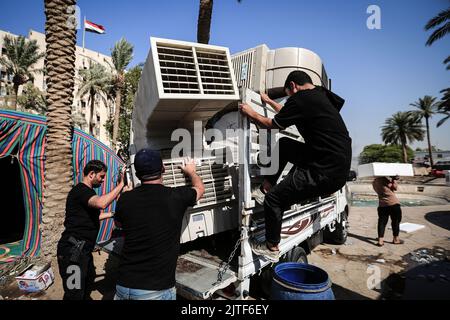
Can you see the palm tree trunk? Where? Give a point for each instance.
(405, 153)
(204, 21)
(429, 142)
(116, 118)
(91, 113)
(16, 93)
(60, 65)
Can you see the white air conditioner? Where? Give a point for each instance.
(181, 82)
(263, 70)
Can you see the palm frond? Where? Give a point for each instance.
(441, 122)
(439, 33)
(121, 55)
(437, 20)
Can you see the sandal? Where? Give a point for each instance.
(380, 244)
(400, 242)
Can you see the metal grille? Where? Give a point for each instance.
(242, 65)
(217, 181)
(178, 71)
(186, 69)
(215, 72)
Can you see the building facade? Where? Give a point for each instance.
(422, 156)
(81, 105)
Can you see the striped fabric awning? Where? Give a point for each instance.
(26, 134)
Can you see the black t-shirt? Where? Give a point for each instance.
(151, 217)
(327, 142)
(82, 222)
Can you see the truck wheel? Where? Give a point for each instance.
(339, 235)
(296, 254)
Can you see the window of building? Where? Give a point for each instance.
(3, 50)
(98, 119)
(439, 155)
(2, 91)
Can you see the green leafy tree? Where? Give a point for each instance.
(19, 58)
(96, 83)
(427, 107)
(401, 128)
(32, 99)
(129, 90)
(384, 153)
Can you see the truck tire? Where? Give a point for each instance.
(296, 254)
(339, 235)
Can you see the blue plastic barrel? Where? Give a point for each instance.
(300, 281)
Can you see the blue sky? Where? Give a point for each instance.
(378, 72)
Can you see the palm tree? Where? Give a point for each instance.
(95, 82)
(427, 107)
(442, 23)
(401, 128)
(204, 21)
(121, 54)
(19, 58)
(60, 65)
(444, 106)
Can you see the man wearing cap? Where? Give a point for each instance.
(151, 217)
(321, 164)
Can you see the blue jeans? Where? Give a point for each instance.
(123, 293)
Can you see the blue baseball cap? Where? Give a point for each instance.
(148, 164)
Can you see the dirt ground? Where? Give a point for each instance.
(353, 265)
(359, 269)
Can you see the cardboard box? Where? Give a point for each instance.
(36, 279)
(381, 169)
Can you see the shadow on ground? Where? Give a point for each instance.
(439, 218)
(424, 282)
(107, 286)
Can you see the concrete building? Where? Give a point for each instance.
(80, 107)
(421, 156)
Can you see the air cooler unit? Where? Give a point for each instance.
(263, 70)
(181, 82)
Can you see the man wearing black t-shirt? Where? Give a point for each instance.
(82, 224)
(151, 217)
(321, 164)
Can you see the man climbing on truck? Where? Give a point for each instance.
(321, 164)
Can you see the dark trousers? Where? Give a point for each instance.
(298, 185)
(395, 212)
(77, 277)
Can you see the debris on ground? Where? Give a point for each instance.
(425, 256)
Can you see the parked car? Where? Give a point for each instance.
(440, 168)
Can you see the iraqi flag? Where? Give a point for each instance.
(93, 27)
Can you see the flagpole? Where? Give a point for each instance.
(84, 30)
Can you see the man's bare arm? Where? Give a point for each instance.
(256, 117)
(276, 106)
(197, 183)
